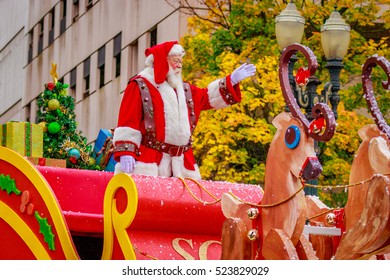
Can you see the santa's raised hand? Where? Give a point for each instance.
(243, 72)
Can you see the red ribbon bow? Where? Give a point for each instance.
(302, 76)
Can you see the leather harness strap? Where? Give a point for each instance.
(150, 140)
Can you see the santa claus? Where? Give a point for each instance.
(159, 112)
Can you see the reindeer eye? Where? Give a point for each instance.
(292, 136)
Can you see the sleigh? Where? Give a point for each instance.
(60, 213)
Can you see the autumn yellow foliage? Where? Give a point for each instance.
(232, 144)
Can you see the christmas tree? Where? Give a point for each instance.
(61, 139)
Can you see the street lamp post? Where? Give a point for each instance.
(335, 35)
(289, 29)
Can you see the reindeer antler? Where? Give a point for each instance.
(369, 92)
(319, 108)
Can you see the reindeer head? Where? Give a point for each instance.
(321, 113)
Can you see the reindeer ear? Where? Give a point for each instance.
(368, 132)
(281, 120)
(379, 155)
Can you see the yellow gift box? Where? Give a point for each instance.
(23, 137)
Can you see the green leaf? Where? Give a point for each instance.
(46, 231)
(8, 184)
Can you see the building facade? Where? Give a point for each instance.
(97, 46)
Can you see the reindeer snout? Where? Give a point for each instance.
(311, 169)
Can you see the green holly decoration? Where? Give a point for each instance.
(8, 184)
(46, 231)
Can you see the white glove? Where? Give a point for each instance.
(242, 72)
(127, 164)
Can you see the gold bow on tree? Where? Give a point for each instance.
(53, 72)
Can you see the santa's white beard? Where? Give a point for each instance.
(174, 77)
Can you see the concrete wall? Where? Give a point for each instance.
(12, 50)
(94, 27)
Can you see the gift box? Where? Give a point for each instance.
(53, 162)
(23, 137)
(103, 150)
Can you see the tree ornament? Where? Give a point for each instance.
(43, 125)
(50, 86)
(54, 127)
(53, 104)
(91, 161)
(74, 155)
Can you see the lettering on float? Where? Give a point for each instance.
(186, 255)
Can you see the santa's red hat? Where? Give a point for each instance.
(160, 53)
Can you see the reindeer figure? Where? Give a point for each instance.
(291, 158)
(367, 210)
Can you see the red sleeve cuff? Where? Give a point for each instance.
(125, 148)
(230, 94)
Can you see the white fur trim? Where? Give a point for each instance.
(165, 167)
(140, 168)
(149, 61)
(177, 50)
(175, 165)
(118, 169)
(127, 134)
(143, 168)
(215, 98)
(168, 166)
(177, 125)
(180, 171)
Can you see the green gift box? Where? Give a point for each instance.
(23, 137)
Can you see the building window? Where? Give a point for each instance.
(87, 66)
(101, 60)
(133, 59)
(89, 4)
(117, 54)
(72, 83)
(40, 37)
(153, 37)
(75, 10)
(63, 17)
(51, 31)
(30, 46)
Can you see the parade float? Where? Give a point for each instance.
(53, 212)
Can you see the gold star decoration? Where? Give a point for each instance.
(53, 72)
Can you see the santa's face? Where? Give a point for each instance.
(174, 73)
(175, 62)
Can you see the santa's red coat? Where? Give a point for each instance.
(172, 122)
